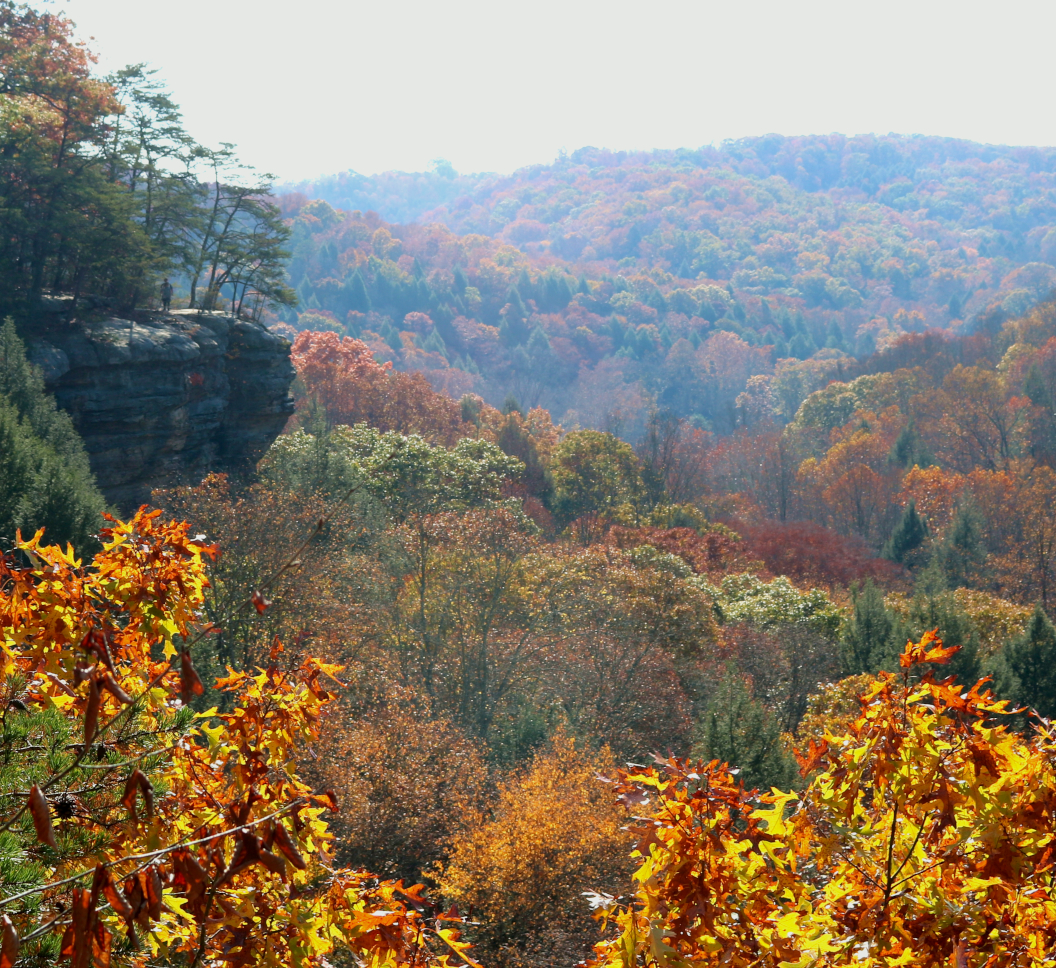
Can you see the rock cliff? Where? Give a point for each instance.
(164, 399)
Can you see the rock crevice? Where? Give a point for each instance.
(162, 400)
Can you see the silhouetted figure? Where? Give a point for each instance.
(166, 295)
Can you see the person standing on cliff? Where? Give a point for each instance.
(166, 295)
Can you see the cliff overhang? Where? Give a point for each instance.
(164, 399)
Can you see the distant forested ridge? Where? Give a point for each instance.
(609, 282)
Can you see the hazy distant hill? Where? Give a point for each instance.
(597, 277)
(904, 172)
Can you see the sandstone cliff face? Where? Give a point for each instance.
(166, 399)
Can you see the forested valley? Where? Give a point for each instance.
(656, 568)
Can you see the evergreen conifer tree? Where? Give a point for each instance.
(45, 479)
(460, 279)
(739, 730)
(1035, 388)
(800, 347)
(389, 334)
(1031, 662)
(434, 343)
(873, 636)
(357, 297)
(962, 555)
(943, 613)
(516, 442)
(908, 535)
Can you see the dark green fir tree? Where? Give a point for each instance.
(738, 729)
(873, 636)
(45, 479)
(1030, 665)
(962, 554)
(908, 536)
(943, 614)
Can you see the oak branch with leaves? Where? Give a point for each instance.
(925, 837)
(133, 831)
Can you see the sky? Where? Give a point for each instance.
(314, 87)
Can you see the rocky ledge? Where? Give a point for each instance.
(164, 399)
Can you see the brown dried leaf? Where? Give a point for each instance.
(154, 895)
(273, 863)
(41, 813)
(116, 899)
(9, 943)
(286, 844)
(101, 945)
(60, 684)
(190, 684)
(128, 798)
(137, 899)
(83, 916)
(112, 686)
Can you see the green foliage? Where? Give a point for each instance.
(45, 732)
(45, 479)
(737, 729)
(909, 449)
(36, 742)
(592, 472)
(873, 635)
(406, 476)
(961, 556)
(1029, 664)
(516, 442)
(102, 190)
(770, 605)
(909, 534)
(954, 627)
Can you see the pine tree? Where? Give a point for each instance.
(834, 336)
(962, 554)
(871, 637)
(739, 730)
(908, 535)
(469, 406)
(1031, 660)
(357, 297)
(800, 347)
(389, 334)
(434, 343)
(519, 310)
(955, 628)
(460, 280)
(516, 442)
(1035, 389)
(45, 478)
(909, 448)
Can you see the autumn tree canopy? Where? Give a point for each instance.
(923, 836)
(138, 830)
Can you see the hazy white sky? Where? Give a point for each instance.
(308, 87)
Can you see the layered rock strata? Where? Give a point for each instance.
(162, 400)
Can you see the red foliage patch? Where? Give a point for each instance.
(716, 551)
(812, 555)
